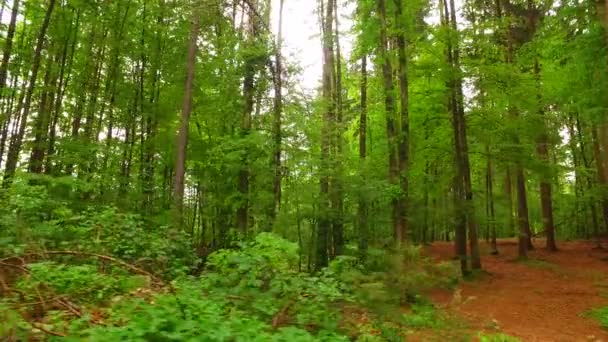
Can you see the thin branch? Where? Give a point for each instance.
(46, 331)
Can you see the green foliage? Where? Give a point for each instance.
(251, 293)
(82, 282)
(498, 337)
(422, 316)
(40, 216)
(394, 277)
(601, 315)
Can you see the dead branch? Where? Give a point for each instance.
(111, 259)
(281, 316)
(46, 331)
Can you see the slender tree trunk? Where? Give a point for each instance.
(546, 197)
(525, 238)
(460, 236)
(362, 208)
(242, 214)
(182, 137)
(522, 212)
(404, 133)
(508, 187)
(490, 203)
(542, 149)
(278, 112)
(64, 80)
(336, 181)
(41, 124)
(324, 216)
(461, 146)
(15, 146)
(601, 175)
(8, 48)
(391, 127)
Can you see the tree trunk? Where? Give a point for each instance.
(601, 175)
(337, 169)
(404, 134)
(460, 235)
(182, 137)
(461, 146)
(41, 125)
(546, 197)
(8, 47)
(278, 112)
(391, 128)
(15, 146)
(362, 208)
(242, 214)
(490, 203)
(324, 221)
(522, 212)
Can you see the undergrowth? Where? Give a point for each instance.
(250, 293)
(497, 337)
(601, 315)
(79, 273)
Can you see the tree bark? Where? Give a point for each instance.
(391, 127)
(601, 174)
(242, 213)
(324, 221)
(16, 142)
(182, 137)
(8, 48)
(461, 147)
(336, 181)
(362, 208)
(404, 133)
(278, 112)
(41, 124)
(490, 203)
(460, 235)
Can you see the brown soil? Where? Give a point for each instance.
(543, 299)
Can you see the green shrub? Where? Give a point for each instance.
(81, 282)
(252, 293)
(394, 276)
(601, 315)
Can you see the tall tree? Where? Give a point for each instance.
(391, 123)
(363, 224)
(182, 137)
(17, 140)
(325, 221)
(278, 112)
(404, 132)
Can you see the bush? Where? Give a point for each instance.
(252, 293)
(394, 276)
(81, 282)
(103, 230)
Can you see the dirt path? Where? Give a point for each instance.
(543, 299)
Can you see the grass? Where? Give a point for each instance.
(496, 337)
(601, 315)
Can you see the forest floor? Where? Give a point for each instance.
(545, 298)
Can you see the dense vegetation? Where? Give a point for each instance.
(163, 170)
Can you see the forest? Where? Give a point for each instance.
(166, 174)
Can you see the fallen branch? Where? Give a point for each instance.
(69, 306)
(281, 316)
(46, 331)
(124, 264)
(111, 259)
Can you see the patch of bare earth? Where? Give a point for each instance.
(543, 299)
